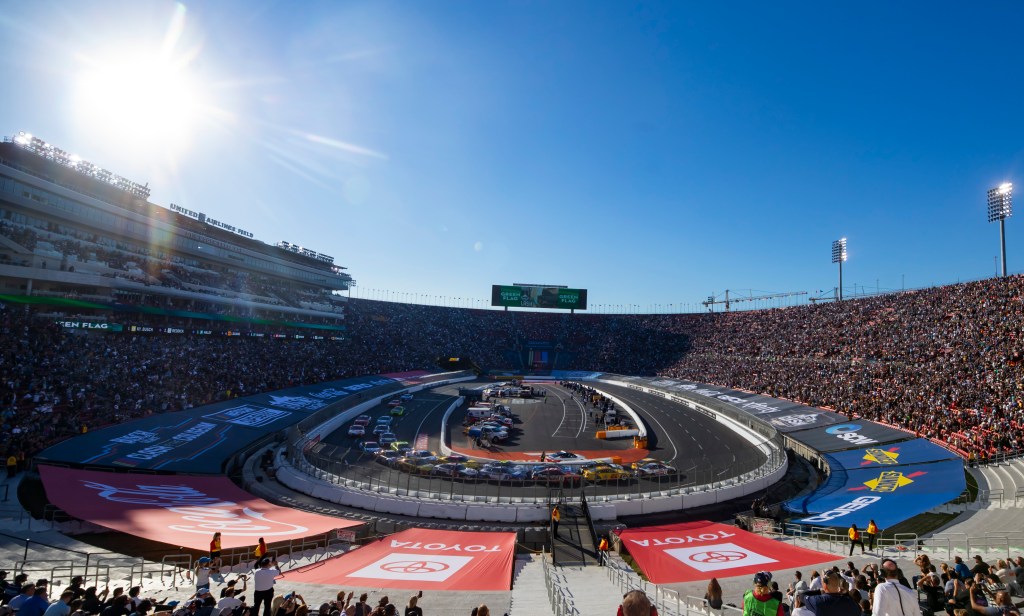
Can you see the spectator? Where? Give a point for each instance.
(713, 594)
(761, 601)
(833, 602)
(62, 606)
(634, 603)
(412, 609)
(892, 598)
(263, 586)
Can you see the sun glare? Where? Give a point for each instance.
(143, 97)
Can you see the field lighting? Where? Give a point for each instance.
(1000, 207)
(839, 256)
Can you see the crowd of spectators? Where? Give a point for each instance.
(885, 590)
(39, 598)
(946, 363)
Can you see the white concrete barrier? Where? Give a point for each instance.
(446, 511)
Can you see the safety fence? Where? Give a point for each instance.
(365, 473)
(942, 546)
(667, 601)
(556, 585)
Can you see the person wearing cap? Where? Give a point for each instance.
(556, 517)
(263, 586)
(761, 601)
(833, 602)
(893, 598)
(203, 571)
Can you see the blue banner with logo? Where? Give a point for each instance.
(849, 435)
(203, 439)
(887, 495)
(917, 451)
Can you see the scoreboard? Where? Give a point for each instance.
(536, 296)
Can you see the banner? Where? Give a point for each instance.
(888, 495)
(421, 559)
(701, 550)
(784, 415)
(855, 434)
(180, 511)
(201, 440)
(917, 451)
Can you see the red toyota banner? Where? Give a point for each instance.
(421, 559)
(703, 550)
(179, 510)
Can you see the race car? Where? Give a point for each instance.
(398, 411)
(357, 430)
(563, 456)
(605, 473)
(656, 469)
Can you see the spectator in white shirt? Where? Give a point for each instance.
(893, 598)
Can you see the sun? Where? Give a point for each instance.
(138, 97)
(141, 94)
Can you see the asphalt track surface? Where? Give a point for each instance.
(701, 448)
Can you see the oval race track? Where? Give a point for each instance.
(702, 450)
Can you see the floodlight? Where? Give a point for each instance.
(839, 250)
(1000, 202)
(1000, 207)
(839, 256)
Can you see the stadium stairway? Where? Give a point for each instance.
(589, 590)
(527, 598)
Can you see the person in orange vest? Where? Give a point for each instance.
(556, 517)
(872, 532)
(855, 539)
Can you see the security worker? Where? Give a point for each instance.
(872, 533)
(855, 539)
(556, 517)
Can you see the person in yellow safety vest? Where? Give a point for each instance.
(12, 466)
(872, 532)
(761, 601)
(603, 546)
(855, 539)
(556, 517)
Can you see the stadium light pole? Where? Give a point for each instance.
(1000, 207)
(839, 256)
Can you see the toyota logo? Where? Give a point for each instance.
(724, 556)
(414, 566)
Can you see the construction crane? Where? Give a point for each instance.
(712, 300)
(826, 296)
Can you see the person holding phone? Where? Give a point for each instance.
(413, 609)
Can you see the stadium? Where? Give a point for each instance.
(168, 376)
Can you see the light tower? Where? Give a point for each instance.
(1000, 207)
(838, 256)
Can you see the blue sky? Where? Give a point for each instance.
(651, 153)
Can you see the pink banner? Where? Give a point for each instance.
(421, 559)
(703, 550)
(179, 510)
